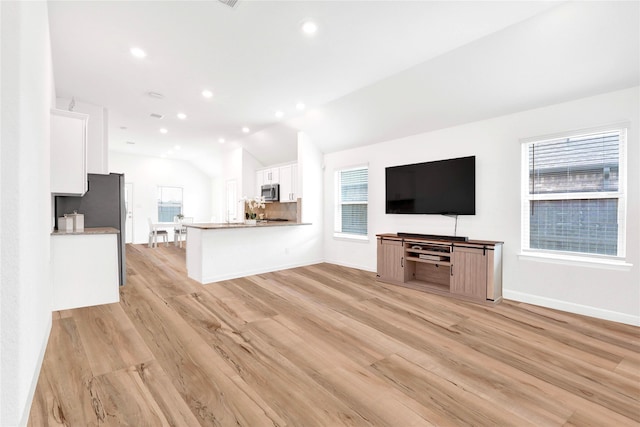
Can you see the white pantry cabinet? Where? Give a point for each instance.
(68, 152)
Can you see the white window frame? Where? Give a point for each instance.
(337, 230)
(579, 258)
(159, 202)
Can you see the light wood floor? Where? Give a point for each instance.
(326, 346)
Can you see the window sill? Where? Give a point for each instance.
(581, 261)
(350, 237)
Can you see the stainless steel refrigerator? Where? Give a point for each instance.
(103, 205)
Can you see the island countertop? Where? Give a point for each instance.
(259, 224)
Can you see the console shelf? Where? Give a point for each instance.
(428, 261)
(469, 269)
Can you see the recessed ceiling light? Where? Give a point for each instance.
(221, 140)
(137, 52)
(279, 114)
(163, 130)
(300, 106)
(309, 27)
(164, 156)
(246, 129)
(177, 147)
(181, 116)
(169, 152)
(207, 93)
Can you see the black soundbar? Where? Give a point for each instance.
(434, 237)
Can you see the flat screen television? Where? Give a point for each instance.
(446, 187)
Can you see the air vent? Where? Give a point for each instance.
(155, 95)
(230, 3)
(130, 142)
(156, 115)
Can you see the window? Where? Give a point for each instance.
(574, 194)
(352, 189)
(169, 203)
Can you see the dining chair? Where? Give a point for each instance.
(154, 233)
(180, 230)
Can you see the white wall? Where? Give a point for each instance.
(217, 199)
(595, 291)
(147, 174)
(249, 167)
(310, 183)
(232, 171)
(25, 210)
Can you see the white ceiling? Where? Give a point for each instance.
(376, 70)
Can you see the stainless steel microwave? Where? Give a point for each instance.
(271, 192)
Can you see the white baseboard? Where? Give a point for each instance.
(345, 264)
(24, 419)
(571, 307)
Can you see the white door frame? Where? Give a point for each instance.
(129, 220)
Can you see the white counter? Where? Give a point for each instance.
(85, 268)
(226, 251)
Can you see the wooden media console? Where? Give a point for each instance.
(466, 269)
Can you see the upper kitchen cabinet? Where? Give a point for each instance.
(285, 175)
(266, 177)
(68, 152)
(97, 133)
(271, 176)
(289, 183)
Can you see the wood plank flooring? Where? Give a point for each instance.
(327, 346)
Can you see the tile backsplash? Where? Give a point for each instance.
(290, 211)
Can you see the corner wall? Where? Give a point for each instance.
(25, 210)
(310, 193)
(595, 291)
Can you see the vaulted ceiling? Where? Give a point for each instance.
(374, 70)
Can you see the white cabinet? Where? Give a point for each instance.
(68, 152)
(267, 176)
(286, 176)
(271, 176)
(289, 183)
(84, 270)
(97, 133)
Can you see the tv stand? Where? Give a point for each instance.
(434, 237)
(468, 269)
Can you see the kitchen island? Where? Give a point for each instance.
(222, 251)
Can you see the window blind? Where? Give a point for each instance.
(581, 164)
(169, 203)
(574, 197)
(352, 201)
